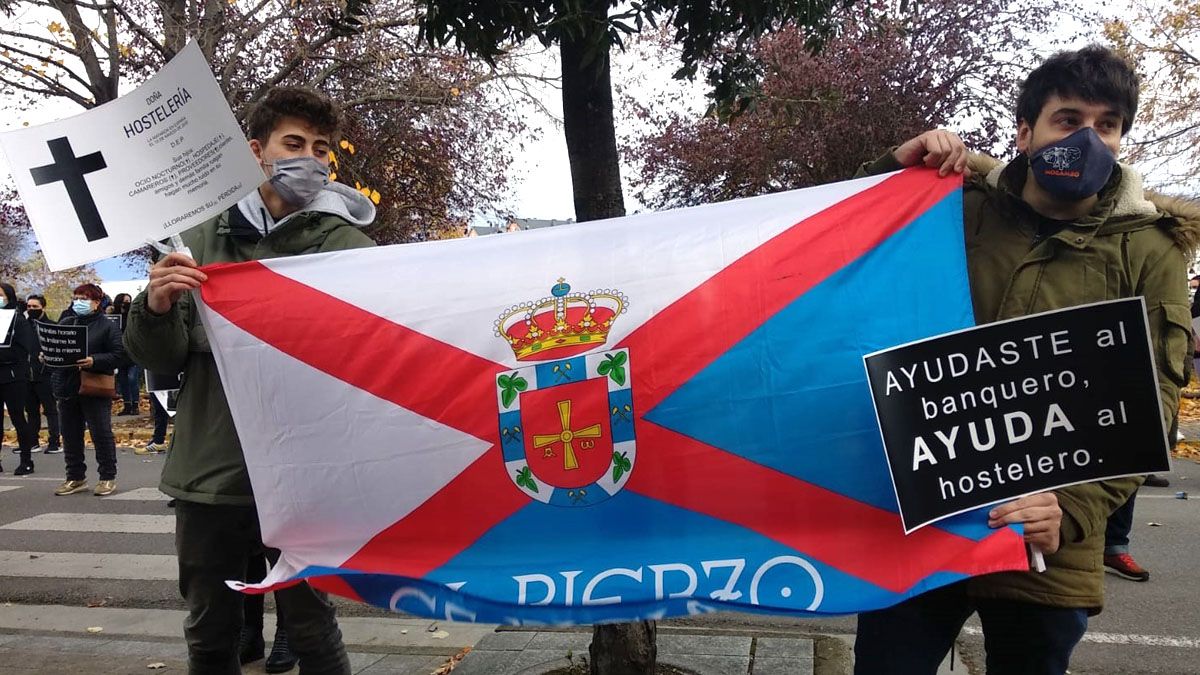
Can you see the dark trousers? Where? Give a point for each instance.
(40, 401)
(129, 384)
(256, 571)
(160, 421)
(1120, 523)
(216, 543)
(96, 413)
(12, 396)
(912, 638)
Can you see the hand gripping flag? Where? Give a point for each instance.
(643, 417)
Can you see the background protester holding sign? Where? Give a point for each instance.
(41, 399)
(85, 393)
(15, 348)
(129, 377)
(1062, 224)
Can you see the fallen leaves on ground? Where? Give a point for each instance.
(450, 665)
(1189, 407)
(1187, 449)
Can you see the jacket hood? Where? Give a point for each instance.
(1179, 217)
(336, 199)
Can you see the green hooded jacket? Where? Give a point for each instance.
(205, 463)
(1130, 245)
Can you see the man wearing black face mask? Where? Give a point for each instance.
(40, 399)
(295, 210)
(1063, 224)
(17, 345)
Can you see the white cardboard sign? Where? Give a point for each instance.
(155, 162)
(6, 321)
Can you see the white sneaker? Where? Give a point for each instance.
(1179, 436)
(35, 449)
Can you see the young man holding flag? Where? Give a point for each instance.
(297, 210)
(1063, 224)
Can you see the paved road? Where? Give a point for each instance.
(118, 552)
(1151, 627)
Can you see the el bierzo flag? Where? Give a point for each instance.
(643, 417)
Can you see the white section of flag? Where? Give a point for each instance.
(332, 465)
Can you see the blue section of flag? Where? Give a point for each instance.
(620, 408)
(565, 371)
(654, 535)
(827, 434)
(512, 437)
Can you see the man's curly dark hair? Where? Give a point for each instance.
(300, 102)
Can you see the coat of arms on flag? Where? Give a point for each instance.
(566, 425)
(517, 428)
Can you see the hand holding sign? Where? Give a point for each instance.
(170, 278)
(1039, 513)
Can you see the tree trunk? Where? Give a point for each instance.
(624, 648)
(588, 119)
(628, 648)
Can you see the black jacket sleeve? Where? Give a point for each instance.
(111, 354)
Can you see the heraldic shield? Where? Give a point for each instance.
(566, 428)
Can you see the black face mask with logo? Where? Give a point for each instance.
(1075, 167)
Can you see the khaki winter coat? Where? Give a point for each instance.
(1131, 244)
(205, 462)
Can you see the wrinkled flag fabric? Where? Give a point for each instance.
(643, 417)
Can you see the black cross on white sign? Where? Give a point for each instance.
(71, 170)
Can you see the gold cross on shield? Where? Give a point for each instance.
(566, 436)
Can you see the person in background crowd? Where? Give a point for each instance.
(158, 442)
(40, 400)
(1195, 286)
(19, 343)
(78, 407)
(251, 645)
(130, 375)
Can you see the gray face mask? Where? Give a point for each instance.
(298, 179)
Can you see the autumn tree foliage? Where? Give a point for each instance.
(1162, 40)
(14, 227)
(709, 35)
(890, 71)
(434, 130)
(33, 276)
(22, 265)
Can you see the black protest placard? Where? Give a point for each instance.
(118, 319)
(1011, 408)
(163, 381)
(62, 345)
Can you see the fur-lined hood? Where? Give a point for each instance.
(1181, 216)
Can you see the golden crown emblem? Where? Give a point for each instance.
(563, 324)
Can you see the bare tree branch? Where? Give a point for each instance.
(46, 60)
